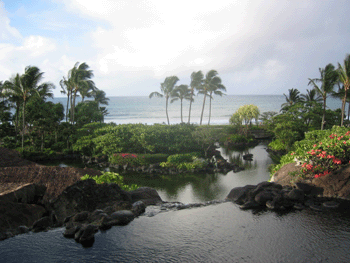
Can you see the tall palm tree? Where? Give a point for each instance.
(181, 92)
(13, 97)
(79, 78)
(66, 89)
(196, 83)
(311, 96)
(26, 85)
(216, 89)
(328, 79)
(292, 98)
(166, 89)
(210, 80)
(344, 77)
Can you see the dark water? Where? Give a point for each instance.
(216, 233)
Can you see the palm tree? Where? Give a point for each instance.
(25, 86)
(79, 78)
(180, 93)
(216, 90)
(210, 80)
(196, 83)
(311, 96)
(100, 97)
(344, 77)
(13, 97)
(292, 98)
(87, 91)
(166, 89)
(2, 91)
(66, 89)
(329, 78)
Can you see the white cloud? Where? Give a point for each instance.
(7, 32)
(36, 46)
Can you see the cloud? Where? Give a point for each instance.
(7, 32)
(256, 46)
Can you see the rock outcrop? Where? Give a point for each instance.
(274, 196)
(333, 185)
(86, 195)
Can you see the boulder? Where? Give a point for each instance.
(138, 208)
(296, 195)
(41, 224)
(13, 215)
(26, 193)
(147, 195)
(240, 194)
(123, 217)
(88, 196)
(264, 196)
(87, 235)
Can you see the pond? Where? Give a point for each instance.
(192, 188)
(215, 233)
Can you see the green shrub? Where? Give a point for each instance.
(276, 145)
(126, 158)
(180, 158)
(154, 158)
(109, 177)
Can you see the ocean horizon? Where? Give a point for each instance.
(142, 109)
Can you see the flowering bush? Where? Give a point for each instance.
(126, 158)
(322, 152)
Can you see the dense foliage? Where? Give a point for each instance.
(136, 138)
(320, 153)
(109, 177)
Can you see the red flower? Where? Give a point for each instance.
(336, 161)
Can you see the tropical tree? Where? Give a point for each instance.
(210, 81)
(344, 77)
(66, 89)
(2, 89)
(166, 88)
(311, 96)
(24, 86)
(196, 83)
(79, 78)
(181, 92)
(328, 79)
(100, 97)
(292, 98)
(216, 90)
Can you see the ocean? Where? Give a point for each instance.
(141, 109)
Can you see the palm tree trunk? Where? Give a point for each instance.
(324, 113)
(343, 110)
(200, 123)
(189, 113)
(23, 121)
(67, 106)
(166, 110)
(73, 107)
(209, 108)
(181, 112)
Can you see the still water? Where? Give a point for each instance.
(216, 233)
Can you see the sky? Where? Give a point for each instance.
(256, 46)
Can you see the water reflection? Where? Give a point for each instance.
(191, 188)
